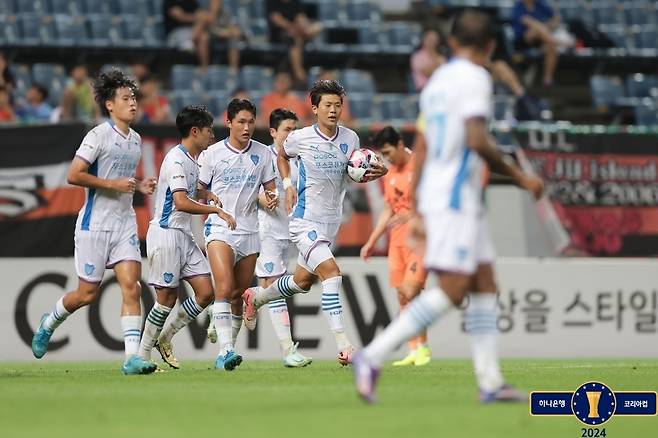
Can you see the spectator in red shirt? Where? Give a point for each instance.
(153, 105)
(281, 96)
(7, 113)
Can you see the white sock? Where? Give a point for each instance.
(281, 323)
(155, 320)
(283, 287)
(221, 317)
(57, 316)
(236, 325)
(333, 310)
(482, 327)
(131, 325)
(417, 316)
(187, 311)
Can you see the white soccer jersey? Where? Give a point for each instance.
(179, 172)
(236, 177)
(111, 155)
(274, 224)
(452, 173)
(322, 171)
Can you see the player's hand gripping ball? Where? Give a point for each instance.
(359, 163)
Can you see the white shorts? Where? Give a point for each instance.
(307, 235)
(181, 39)
(97, 250)
(243, 245)
(457, 242)
(273, 258)
(173, 255)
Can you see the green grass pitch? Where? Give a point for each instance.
(262, 399)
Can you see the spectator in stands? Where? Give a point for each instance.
(288, 24)
(78, 98)
(6, 110)
(139, 71)
(426, 59)
(281, 96)
(186, 26)
(36, 109)
(6, 77)
(153, 106)
(533, 22)
(224, 27)
(346, 118)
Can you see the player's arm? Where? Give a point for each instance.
(384, 218)
(183, 203)
(271, 195)
(478, 139)
(283, 164)
(203, 194)
(178, 14)
(79, 175)
(280, 21)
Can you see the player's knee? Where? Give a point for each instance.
(87, 294)
(131, 291)
(166, 299)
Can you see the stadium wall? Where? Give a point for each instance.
(551, 308)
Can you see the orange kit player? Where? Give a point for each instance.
(407, 271)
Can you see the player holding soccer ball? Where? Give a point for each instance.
(322, 151)
(456, 104)
(406, 268)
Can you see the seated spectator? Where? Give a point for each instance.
(6, 110)
(36, 109)
(346, 118)
(6, 77)
(527, 107)
(78, 98)
(225, 28)
(426, 59)
(281, 96)
(139, 71)
(153, 106)
(533, 22)
(186, 27)
(289, 25)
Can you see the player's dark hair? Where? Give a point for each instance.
(43, 91)
(388, 135)
(237, 105)
(473, 28)
(193, 116)
(279, 115)
(107, 84)
(322, 87)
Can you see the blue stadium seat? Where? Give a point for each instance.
(255, 9)
(22, 77)
(372, 39)
(391, 106)
(217, 102)
(6, 7)
(154, 35)
(134, 7)
(36, 29)
(132, 30)
(156, 7)
(361, 106)
(362, 11)
(51, 76)
(102, 30)
(357, 81)
(9, 32)
(639, 14)
(617, 34)
(412, 107)
(32, 6)
(328, 12)
(646, 114)
(72, 7)
(606, 90)
(71, 30)
(98, 7)
(646, 38)
(219, 78)
(608, 13)
(256, 78)
(641, 86)
(403, 36)
(186, 77)
(179, 99)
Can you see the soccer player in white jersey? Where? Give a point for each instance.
(234, 169)
(456, 104)
(172, 253)
(106, 229)
(322, 151)
(275, 241)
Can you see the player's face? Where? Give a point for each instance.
(328, 110)
(281, 133)
(242, 126)
(204, 137)
(123, 106)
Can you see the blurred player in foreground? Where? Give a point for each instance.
(456, 104)
(406, 268)
(106, 229)
(172, 253)
(322, 152)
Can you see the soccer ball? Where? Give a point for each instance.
(359, 163)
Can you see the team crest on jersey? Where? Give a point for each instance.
(343, 147)
(312, 235)
(255, 159)
(168, 276)
(89, 268)
(133, 240)
(269, 267)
